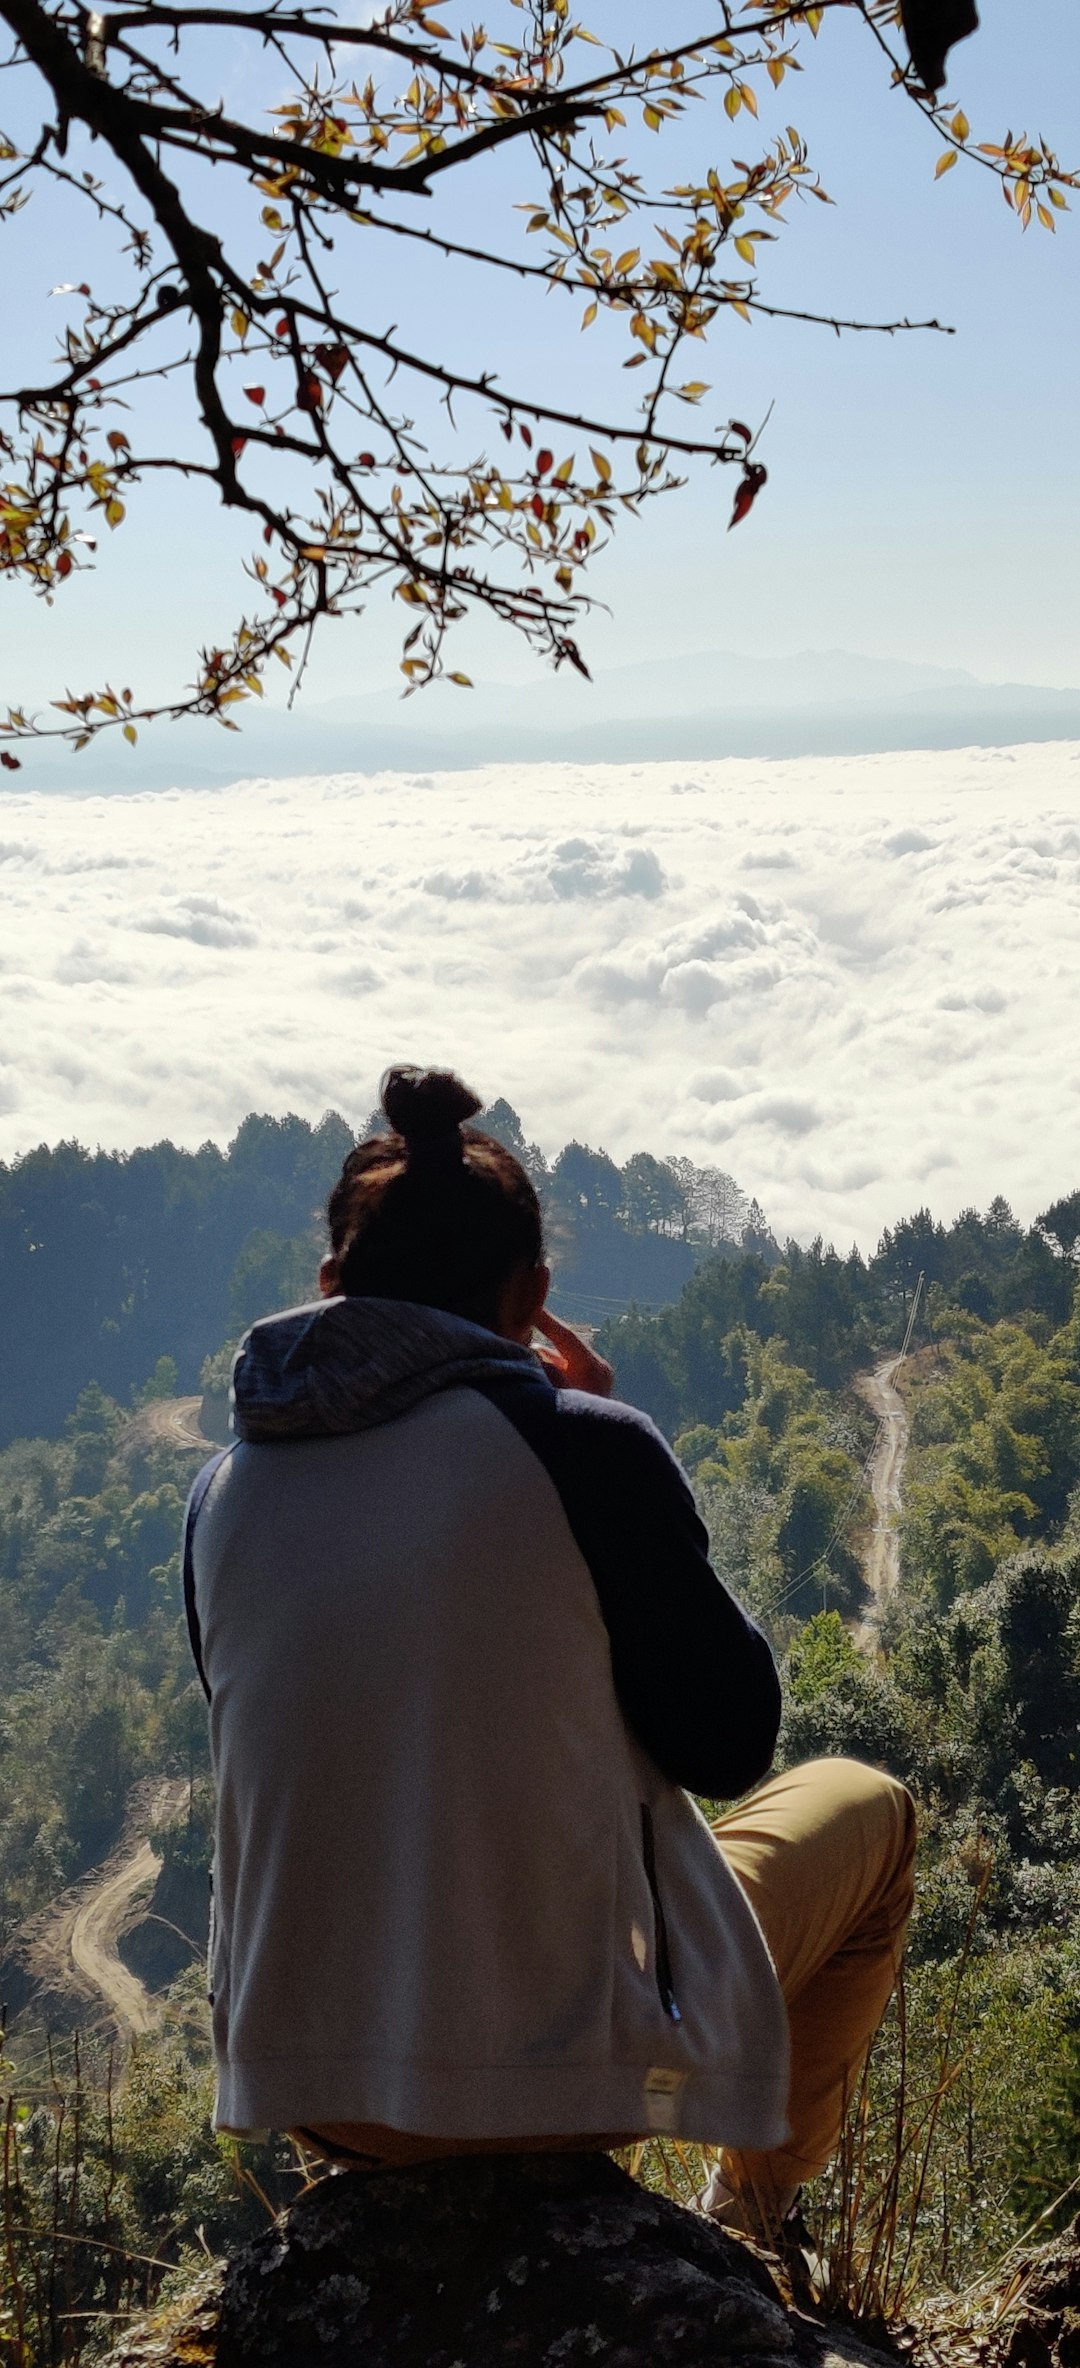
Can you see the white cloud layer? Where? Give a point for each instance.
(853, 982)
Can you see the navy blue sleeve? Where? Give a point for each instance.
(695, 1678)
(194, 1507)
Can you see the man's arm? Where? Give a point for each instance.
(695, 1678)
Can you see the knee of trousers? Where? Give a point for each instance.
(884, 1805)
(893, 1810)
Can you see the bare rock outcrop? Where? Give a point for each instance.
(521, 2261)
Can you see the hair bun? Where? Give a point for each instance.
(424, 1103)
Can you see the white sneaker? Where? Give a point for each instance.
(740, 2214)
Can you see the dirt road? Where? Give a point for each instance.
(882, 1571)
(173, 1420)
(101, 1918)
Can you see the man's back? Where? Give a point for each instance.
(443, 1860)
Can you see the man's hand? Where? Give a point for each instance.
(574, 1363)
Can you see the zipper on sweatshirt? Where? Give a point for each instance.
(661, 1952)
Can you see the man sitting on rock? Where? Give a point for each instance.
(466, 1659)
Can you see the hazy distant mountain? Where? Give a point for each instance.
(715, 703)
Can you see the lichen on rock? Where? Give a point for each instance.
(553, 2260)
(513, 2261)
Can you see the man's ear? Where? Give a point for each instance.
(543, 1286)
(521, 1300)
(533, 1288)
(329, 1278)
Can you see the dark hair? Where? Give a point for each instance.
(435, 1211)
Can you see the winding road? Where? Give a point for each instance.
(882, 1569)
(101, 1917)
(102, 1914)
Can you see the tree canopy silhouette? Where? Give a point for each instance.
(252, 254)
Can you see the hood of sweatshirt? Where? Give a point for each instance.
(347, 1364)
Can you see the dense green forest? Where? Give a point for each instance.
(120, 1258)
(972, 1696)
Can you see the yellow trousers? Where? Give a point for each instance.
(825, 1854)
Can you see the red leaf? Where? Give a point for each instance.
(738, 429)
(544, 461)
(281, 328)
(333, 359)
(309, 393)
(278, 596)
(238, 444)
(526, 437)
(366, 460)
(747, 493)
(13, 764)
(569, 649)
(537, 505)
(64, 564)
(95, 383)
(256, 395)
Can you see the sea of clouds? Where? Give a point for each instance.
(852, 982)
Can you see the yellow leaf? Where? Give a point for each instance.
(1046, 217)
(115, 512)
(564, 472)
(960, 127)
(464, 679)
(238, 322)
(944, 163)
(626, 262)
(588, 316)
(732, 101)
(130, 734)
(747, 97)
(653, 118)
(776, 71)
(601, 465)
(738, 306)
(272, 218)
(745, 248)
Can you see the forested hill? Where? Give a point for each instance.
(111, 1261)
(968, 1688)
(832, 1313)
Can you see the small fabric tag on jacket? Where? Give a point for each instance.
(661, 2087)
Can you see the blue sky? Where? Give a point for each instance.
(852, 982)
(924, 498)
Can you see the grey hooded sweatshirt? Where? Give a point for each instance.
(463, 1650)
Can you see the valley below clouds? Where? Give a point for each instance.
(853, 982)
